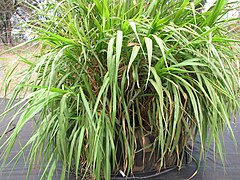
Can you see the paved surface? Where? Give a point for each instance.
(213, 171)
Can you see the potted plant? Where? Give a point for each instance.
(124, 86)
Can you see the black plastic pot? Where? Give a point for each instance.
(146, 159)
(142, 175)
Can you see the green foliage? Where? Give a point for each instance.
(110, 69)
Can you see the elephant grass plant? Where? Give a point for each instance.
(108, 69)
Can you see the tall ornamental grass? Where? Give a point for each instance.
(110, 74)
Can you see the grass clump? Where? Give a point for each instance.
(117, 78)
